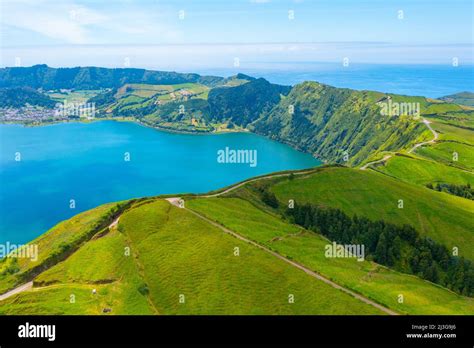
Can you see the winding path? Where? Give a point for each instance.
(432, 141)
(236, 186)
(387, 157)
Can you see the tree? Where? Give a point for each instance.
(381, 250)
(270, 199)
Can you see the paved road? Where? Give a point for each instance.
(175, 201)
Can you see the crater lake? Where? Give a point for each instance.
(50, 173)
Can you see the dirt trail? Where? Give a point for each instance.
(252, 180)
(175, 200)
(387, 157)
(114, 223)
(17, 290)
(432, 141)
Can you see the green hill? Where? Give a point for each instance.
(463, 98)
(368, 278)
(150, 257)
(17, 97)
(337, 125)
(178, 264)
(421, 171)
(42, 76)
(444, 218)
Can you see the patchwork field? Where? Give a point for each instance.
(160, 259)
(164, 92)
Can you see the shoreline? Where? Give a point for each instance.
(130, 120)
(167, 130)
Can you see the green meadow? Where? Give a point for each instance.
(452, 153)
(52, 244)
(424, 171)
(449, 132)
(368, 278)
(178, 264)
(180, 254)
(443, 217)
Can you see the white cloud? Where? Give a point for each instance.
(70, 23)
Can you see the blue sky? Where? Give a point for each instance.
(205, 33)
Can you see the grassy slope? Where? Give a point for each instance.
(463, 98)
(443, 152)
(450, 132)
(330, 122)
(100, 264)
(421, 171)
(445, 218)
(182, 254)
(434, 163)
(456, 134)
(174, 252)
(63, 234)
(370, 279)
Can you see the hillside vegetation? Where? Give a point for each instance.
(369, 278)
(17, 97)
(442, 217)
(42, 76)
(178, 264)
(446, 161)
(337, 125)
(462, 98)
(160, 259)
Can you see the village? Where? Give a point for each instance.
(30, 114)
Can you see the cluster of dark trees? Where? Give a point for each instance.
(465, 191)
(16, 97)
(245, 103)
(398, 247)
(268, 197)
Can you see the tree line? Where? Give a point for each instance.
(399, 247)
(465, 191)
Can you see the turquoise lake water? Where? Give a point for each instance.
(86, 162)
